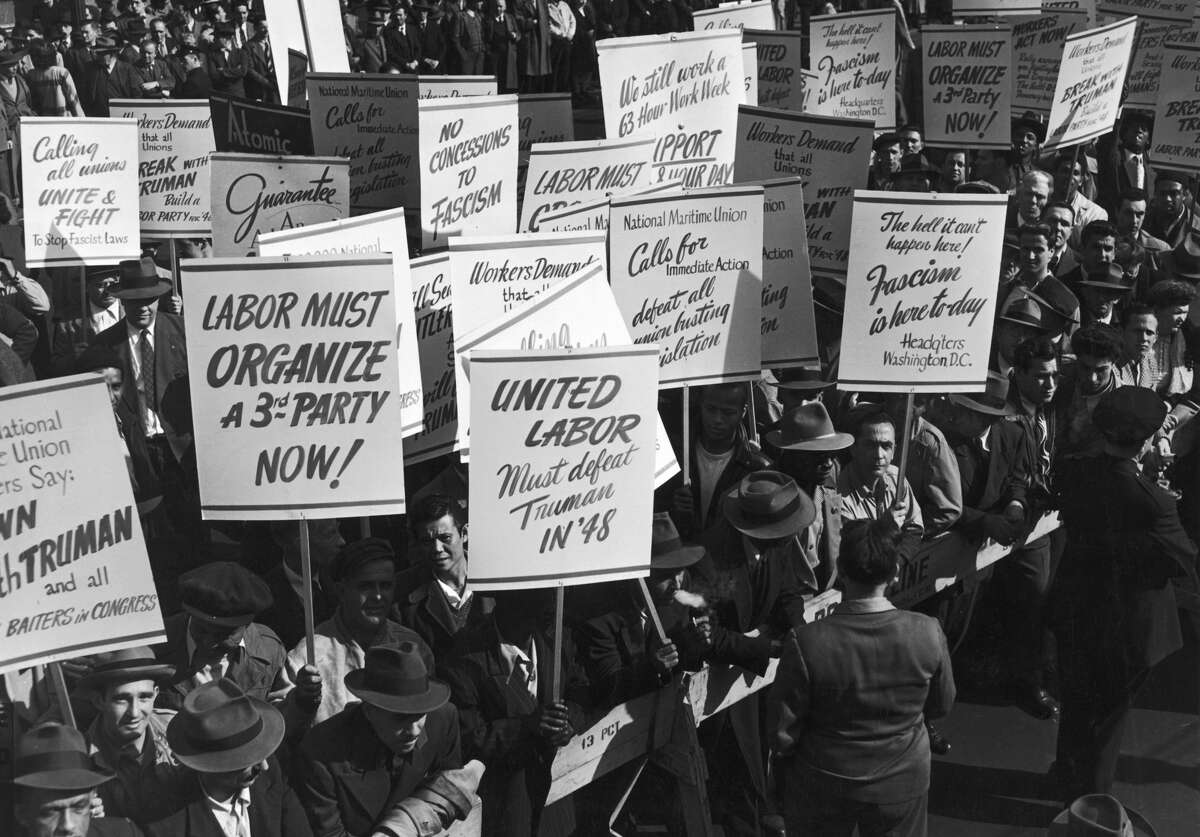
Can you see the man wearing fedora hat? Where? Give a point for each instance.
(916, 174)
(226, 64)
(358, 765)
(129, 735)
(1024, 317)
(1123, 158)
(72, 334)
(106, 78)
(1113, 604)
(1099, 815)
(233, 785)
(373, 51)
(790, 388)
(1183, 261)
(56, 784)
(1034, 274)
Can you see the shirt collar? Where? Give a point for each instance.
(226, 807)
(858, 606)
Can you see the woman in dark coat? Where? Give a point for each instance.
(533, 52)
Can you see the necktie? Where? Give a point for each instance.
(881, 503)
(1136, 171)
(382, 51)
(1042, 437)
(146, 350)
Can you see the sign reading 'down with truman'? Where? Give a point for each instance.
(968, 87)
(830, 156)
(76, 579)
(780, 74)
(379, 232)
(173, 187)
(372, 120)
(254, 193)
(294, 386)
(854, 57)
(1087, 97)
(256, 128)
(749, 15)
(435, 344)
(1037, 49)
(468, 167)
(79, 179)
(1176, 142)
(682, 90)
(687, 274)
(565, 173)
(921, 292)
(563, 473)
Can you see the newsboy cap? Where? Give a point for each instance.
(1129, 415)
(224, 593)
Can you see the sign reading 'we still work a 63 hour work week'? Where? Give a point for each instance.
(562, 476)
(921, 291)
(1087, 97)
(967, 85)
(687, 274)
(74, 576)
(79, 178)
(294, 386)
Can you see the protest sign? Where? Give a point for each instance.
(829, 155)
(995, 8)
(921, 291)
(253, 193)
(808, 88)
(79, 179)
(581, 217)
(325, 40)
(750, 73)
(748, 15)
(854, 56)
(562, 478)
(1087, 97)
(1086, 6)
(76, 579)
(687, 274)
(459, 139)
(379, 232)
(1037, 49)
(967, 86)
(443, 87)
(789, 328)
(294, 386)
(1145, 64)
(297, 69)
(372, 120)
(175, 141)
(562, 174)
(544, 118)
(255, 128)
(435, 345)
(779, 68)
(1176, 11)
(682, 90)
(1176, 141)
(577, 313)
(287, 39)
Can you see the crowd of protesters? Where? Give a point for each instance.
(422, 692)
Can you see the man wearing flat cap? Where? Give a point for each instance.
(226, 742)
(217, 638)
(364, 577)
(358, 767)
(56, 784)
(1113, 606)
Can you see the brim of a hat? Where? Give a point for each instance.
(155, 672)
(836, 441)
(239, 758)
(223, 621)
(152, 292)
(434, 697)
(805, 386)
(677, 559)
(971, 404)
(1061, 825)
(74, 779)
(1107, 286)
(1034, 326)
(790, 525)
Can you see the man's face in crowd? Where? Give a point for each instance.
(1098, 302)
(873, 448)
(149, 51)
(887, 158)
(954, 168)
(113, 379)
(1024, 142)
(1060, 220)
(206, 35)
(1097, 253)
(1169, 195)
(99, 291)
(1068, 177)
(240, 13)
(1135, 136)
(1093, 373)
(443, 544)
(1171, 318)
(1035, 256)
(664, 583)
(125, 709)
(55, 813)
(910, 142)
(399, 733)
(1130, 217)
(159, 30)
(1008, 335)
(225, 785)
(366, 597)
(1031, 199)
(260, 29)
(215, 640)
(191, 61)
(721, 410)
(809, 467)
(141, 312)
(1037, 384)
(1139, 335)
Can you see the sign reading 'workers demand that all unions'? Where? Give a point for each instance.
(79, 179)
(562, 474)
(920, 291)
(294, 386)
(74, 576)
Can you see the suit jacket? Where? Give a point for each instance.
(227, 74)
(993, 478)
(347, 778)
(113, 827)
(274, 811)
(422, 606)
(371, 54)
(433, 45)
(260, 73)
(1111, 176)
(170, 376)
(16, 106)
(100, 84)
(821, 575)
(744, 461)
(196, 85)
(403, 48)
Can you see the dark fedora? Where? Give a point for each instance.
(1027, 122)
(804, 379)
(884, 140)
(992, 401)
(768, 505)
(808, 427)
(125, 666)
(667, 551)
(140, 280)
(1184, 261)
(224, 593)
(105, 44)
(1110, 278)
(976, 187)
(1129, 415)
(1054, 292)
(220, 729)
(1026, 310)
(918, 164)
(8, 58)
(55, 757)
(396, 680)
(1097, 815)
